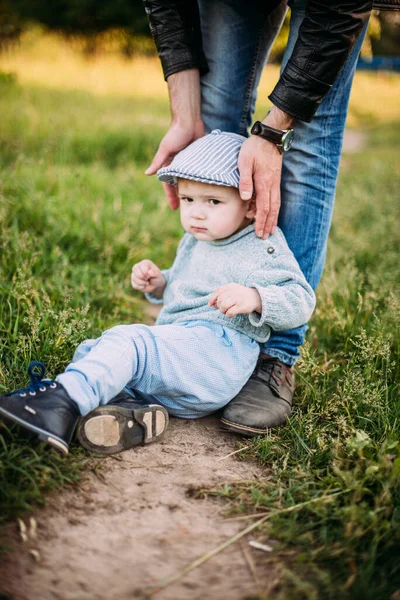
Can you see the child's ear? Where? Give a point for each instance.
(251, 209)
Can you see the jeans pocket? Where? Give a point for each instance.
(216, 329)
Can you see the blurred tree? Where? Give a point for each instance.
(388, 42)
(119, 23)
(373, 33)
(85, 16)
(87, 19)
(11, 24)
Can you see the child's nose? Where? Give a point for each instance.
(198, 212)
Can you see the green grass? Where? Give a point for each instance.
(76, 211)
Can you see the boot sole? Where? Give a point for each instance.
(242, 429)
(54, 441)
(111, 429)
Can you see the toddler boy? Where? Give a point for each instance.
(224, 293)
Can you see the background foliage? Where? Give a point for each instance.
(122, 24)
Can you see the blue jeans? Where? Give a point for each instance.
(237, 37)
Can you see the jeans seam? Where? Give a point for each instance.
(325, 172)
(250, 85)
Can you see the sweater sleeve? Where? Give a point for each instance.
(287, 299)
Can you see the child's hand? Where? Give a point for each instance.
(235, 299)
(147, 277)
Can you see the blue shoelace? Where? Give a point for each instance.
(36, 371)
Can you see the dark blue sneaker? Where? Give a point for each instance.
(43, 408)
(121, 424)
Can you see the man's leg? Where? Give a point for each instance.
(309, 176)
(308, 187)
(237, 37)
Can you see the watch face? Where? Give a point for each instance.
(287, 140)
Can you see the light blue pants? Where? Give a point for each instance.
(192, 369)
(237, 38)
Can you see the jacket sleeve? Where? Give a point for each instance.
(287, 299)
(175, 27)
(326, 37)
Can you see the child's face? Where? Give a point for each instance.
(212, 212)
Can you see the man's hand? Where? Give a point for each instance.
(260, 167)
(177, 137)
(235, 299)
(186, 126)
(147, 277)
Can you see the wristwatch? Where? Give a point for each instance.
(282, 138)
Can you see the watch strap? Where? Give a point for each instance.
(268, 133)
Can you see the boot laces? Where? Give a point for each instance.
(36, 371)
(269, 371)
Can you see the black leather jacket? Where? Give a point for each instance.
(326, 37)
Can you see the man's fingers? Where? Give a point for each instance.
(262, 212)
(246, 178)
(272, 217)
(276, 203)
(263, 201)
(162, 158)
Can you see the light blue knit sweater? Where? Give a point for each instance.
(267, 265)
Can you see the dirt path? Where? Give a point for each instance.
(119, 535)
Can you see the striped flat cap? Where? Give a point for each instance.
(210, 159)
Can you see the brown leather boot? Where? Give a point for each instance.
(264, 402)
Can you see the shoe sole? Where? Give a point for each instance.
(242, 429)
(54, 441)
(111, 429)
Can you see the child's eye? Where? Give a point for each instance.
(187, 199)
(214, 202)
